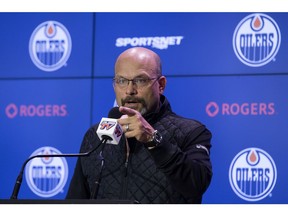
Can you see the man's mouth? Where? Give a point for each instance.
(131, 102)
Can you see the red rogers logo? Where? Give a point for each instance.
(213, 109)
(47, 110)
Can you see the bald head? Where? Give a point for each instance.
(141, 56)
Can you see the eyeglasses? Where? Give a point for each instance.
(139, 82)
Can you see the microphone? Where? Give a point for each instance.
(109, 128)
(112, 134)
(115, 113)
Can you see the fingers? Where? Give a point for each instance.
(134, 125)
(127, 121)
(127, 111)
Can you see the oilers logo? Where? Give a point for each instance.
(252, 174)
(46, 176)
(50, 46)
(256, 40)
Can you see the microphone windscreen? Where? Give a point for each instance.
(115, 113)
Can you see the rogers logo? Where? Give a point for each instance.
(213, 109)
(47, 110)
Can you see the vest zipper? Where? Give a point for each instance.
(123, 194)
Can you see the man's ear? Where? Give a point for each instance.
(162, 84)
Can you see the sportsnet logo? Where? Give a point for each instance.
(46, 176)
(252, 174)
(157, 42)
(256, 40)
(50, 46)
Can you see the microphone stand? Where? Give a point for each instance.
(20, 176)
(94, 193)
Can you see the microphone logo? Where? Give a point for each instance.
(107, 125)
(46, 176)
(109, 129)
(118, 131)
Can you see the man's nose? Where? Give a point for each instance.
(131, 88)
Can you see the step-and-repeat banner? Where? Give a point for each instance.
(227, 70)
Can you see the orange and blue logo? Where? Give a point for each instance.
(46, 176)
(256, 40)
(50, 46)
(252, 174)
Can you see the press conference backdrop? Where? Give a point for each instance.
(228, 70)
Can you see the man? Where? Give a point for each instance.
(163, 158)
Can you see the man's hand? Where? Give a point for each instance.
(134, 125)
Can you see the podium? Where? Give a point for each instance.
(66, 201)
